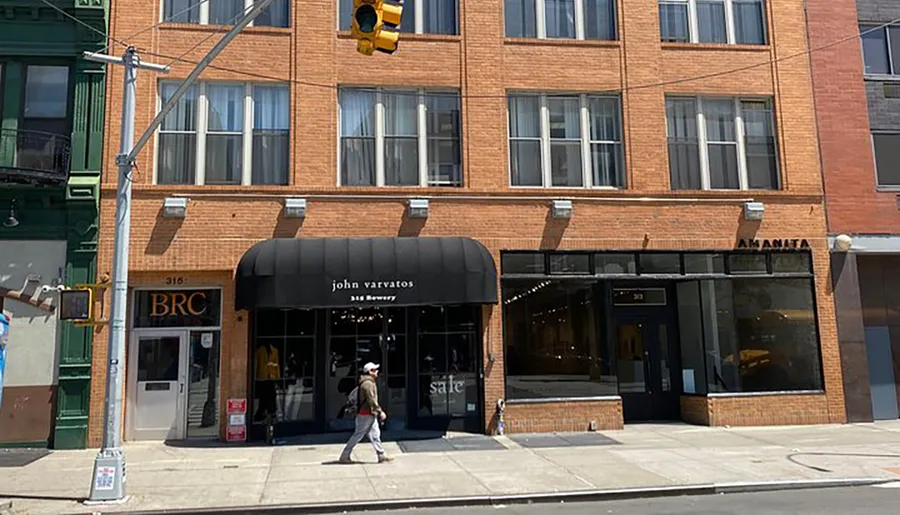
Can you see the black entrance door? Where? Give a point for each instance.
(648, 364)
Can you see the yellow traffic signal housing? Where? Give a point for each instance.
(376, 25)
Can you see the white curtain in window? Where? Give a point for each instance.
(439, 16)
(271, 123)
(224, 138)
(181, 11)
(357, 137)
(401, 144)
(225, 12)
(277, 14)
(560, 18)
(711, 21)
(673, 22)
(721, 144)
(519, 16)
(565, 141)
(525, 140)
(606, 148)
(748, 22)
(684, 148)
(176, 158)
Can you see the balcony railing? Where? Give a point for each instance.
(34, 157)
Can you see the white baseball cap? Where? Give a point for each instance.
(368, 367)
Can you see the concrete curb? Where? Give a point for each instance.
(545, 498)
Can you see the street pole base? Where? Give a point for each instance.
(108, 481)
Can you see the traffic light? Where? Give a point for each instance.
(77, 304)
(376, 25)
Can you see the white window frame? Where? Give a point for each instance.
(418, 22)
(872, 134)
(702, 141)
(421, 135)
(204, 13)
(540, 20)
(730, 33)
(202, 125)
(892, 69)
(586, 141)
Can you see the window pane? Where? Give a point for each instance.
(766, 336)
(723, 166)
(177, 157)
(357, 112)
(607, 165)
(565, 117)
(225, 12)
(519, 16)
(599, 19)
(46, 92)
(400, 113)
(690, 324)
(407, 18)
(439, 16)
(525, 117)
(798, 262)
(565, 164)
(704, 264)
(660, 263)
(684, 148)
(875, 50)
(223, 158)
(560, 18)
(270, 134)
(401, 161)
(719, 120)
(444, 162)
(271, 151)
(442, 115)
(277, 14)
(358, 161)
(522, 263)
(759, 145)
(525, 162)
(748, 22)
(182, 117)
(345, 14)
(887, 158)
(604, 117)
(894, 33)
(673, 22)
(553, 343)
(226, 108)
(614, 264)
(181, 11)
(570, 264)
(747, 264)
(711, 21)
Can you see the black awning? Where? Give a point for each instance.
(341, 272)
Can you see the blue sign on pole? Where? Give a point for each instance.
(4, 338)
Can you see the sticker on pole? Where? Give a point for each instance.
(106, 478)
(236, 434)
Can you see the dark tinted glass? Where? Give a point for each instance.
(522, 263)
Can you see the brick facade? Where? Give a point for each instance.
(223, 222)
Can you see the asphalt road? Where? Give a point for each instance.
(829, 501)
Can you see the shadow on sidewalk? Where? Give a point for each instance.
(336, 438)
(36, 497)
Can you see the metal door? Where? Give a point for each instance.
(157, 378)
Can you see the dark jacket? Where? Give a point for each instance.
(368, 395)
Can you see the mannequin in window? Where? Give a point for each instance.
(268, 373)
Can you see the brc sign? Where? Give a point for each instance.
(178, 303)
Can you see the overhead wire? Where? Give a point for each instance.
(767, 62)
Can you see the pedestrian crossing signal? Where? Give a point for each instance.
(376, 25)
(76, 304)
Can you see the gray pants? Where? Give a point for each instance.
(365, 425)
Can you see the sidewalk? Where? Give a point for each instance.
(641, 456)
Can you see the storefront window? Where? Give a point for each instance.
(760, 335)
(690, 324)
(448, 361)
(554, 347)
(284, 365)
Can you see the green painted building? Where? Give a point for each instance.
(51, 141)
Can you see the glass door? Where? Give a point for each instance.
(358, 336)
(203, 385)
(646, 359)
(157, 385)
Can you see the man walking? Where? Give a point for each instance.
(368, 417)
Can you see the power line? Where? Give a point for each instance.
(767, 62)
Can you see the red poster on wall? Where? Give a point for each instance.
(236, 434)
(236, 406)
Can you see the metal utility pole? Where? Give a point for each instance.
(108, 481)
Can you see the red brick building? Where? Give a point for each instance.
(608, 237)
(859, 128)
